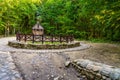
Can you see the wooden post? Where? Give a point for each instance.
(60, 39)
(33, 38)
(52, 38)
(16, 36)
(25, 37)
(19, 37)
(67, 39)
(70, 38)
(42, 39)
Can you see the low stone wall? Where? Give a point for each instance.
(94, 70)
(24, 45)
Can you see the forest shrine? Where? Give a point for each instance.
(38, 40)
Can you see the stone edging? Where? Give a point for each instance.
(95, 71)
(24, 45)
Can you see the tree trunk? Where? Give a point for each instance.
(8, 31)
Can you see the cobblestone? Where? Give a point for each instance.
(8, 69)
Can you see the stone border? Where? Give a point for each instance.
(24, 45)
(95, 71)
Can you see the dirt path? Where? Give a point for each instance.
(100, 52)
(50, 66)
(43, 66)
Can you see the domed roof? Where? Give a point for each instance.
(37, 26)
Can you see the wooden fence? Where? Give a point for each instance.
(44, 38)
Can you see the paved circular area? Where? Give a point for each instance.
(5, 47)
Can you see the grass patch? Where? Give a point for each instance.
(104, 41)
(95, 40)
(30, 42)
(2, 36)
(99, 41)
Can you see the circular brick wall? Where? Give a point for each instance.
(24, 45)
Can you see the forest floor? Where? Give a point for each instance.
(50, 65)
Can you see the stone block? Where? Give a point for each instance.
(115, 74)
(67, 63)
(106, 71)
(84, 63)
(96, 68)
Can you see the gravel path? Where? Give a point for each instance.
(46, 66)
(8, 70)
(5, 47)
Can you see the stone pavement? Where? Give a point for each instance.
(8, 70)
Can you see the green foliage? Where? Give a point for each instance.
(85, 19)
(16, 15)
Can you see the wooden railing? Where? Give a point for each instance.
(44, 38)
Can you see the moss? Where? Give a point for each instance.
(42, 46)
